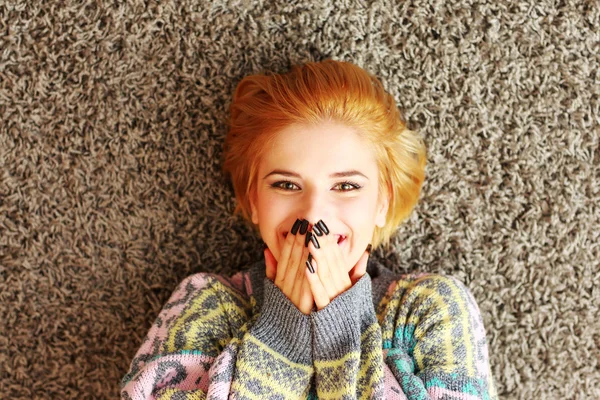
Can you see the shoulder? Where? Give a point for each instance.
(428, 285)
(426, 295)
(424, 305)
(208, 279)
(204, 284)
(389, 287)
(433, 318)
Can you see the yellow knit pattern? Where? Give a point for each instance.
(209, 320)
(169, 394)
(266, 373)
(337, 378)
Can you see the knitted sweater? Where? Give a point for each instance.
(414, 336)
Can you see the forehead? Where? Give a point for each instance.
(327, 147)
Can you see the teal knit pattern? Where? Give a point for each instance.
(413, 336)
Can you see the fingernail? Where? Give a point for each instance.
(323, 226)
(317, 230)
(307, 239)
(303, 227)
(315, 242)
(309, 264)
(296, 226)
(369, 247)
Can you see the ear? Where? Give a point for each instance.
(253, 208)
(381, 216)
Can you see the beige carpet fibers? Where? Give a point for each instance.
(112, 117)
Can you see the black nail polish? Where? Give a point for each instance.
(315, 242)
(296, 226)
(307, 239)
(309, 264)
(323, 226)
(369, 248)
(317, 230)
(303, 227)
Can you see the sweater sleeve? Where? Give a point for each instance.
(206, 344)
(347, 352)
(437, 347)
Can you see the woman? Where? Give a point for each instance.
(323, 167)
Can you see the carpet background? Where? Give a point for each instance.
(112, 121)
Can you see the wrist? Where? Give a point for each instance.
(282, 327)
(338, 326)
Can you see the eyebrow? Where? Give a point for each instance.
(342, 174)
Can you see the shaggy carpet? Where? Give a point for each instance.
(112, 118)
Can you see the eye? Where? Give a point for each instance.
(348, 186)
(284, 185)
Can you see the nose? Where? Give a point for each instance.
(315, 207)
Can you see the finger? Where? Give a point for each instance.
(284, 256)
(324, 273)
(323, 242)
(336, 261)
(320, 295)
(330, 245)
(299, 279)
(271, 264)
(325, 257)
(339, 269)
(286, 252)
(307, 300)
(360, 268)
(296, 258)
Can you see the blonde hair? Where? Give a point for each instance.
(313, 93)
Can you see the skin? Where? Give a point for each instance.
(351, 210)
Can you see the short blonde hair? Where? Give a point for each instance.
(313, 93)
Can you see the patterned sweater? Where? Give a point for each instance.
(414, 336)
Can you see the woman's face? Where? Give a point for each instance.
(325, 172)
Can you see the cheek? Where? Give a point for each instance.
(359, 212)
(272, 212)
(270, 206)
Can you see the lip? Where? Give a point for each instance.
(340, 238)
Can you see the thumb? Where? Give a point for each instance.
(360, 268)
(271, 264)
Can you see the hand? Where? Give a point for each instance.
(331, 277)
(288, 274)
